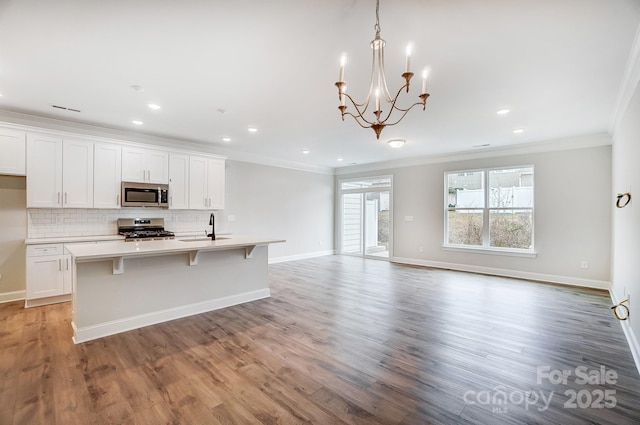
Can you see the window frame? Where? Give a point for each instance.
(486, 209)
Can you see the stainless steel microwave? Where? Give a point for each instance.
(145, 195)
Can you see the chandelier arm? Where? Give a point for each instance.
(382, 76)
(355, 118)
(356, 105)
(405, 111)
(393, 106)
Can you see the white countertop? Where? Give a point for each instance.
(109, 250)
(74, 239)
(102, 238)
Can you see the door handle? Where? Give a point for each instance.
(65, 198)
(67, 261)
(58, 201)
(59, 264)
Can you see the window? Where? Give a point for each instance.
(490, 209)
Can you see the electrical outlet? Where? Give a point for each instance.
(584, 264)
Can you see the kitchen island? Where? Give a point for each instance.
(120, 286)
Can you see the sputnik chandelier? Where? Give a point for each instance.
(378, 88)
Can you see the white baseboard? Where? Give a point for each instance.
(301, 256)
(629, 334)
(564, 280)
(39, 302)
(89, 333)
(6, 297)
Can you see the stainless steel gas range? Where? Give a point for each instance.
(143, 229)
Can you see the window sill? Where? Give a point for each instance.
(491, 251)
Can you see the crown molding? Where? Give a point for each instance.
(567, 143)
(28, 122)
(628, 85)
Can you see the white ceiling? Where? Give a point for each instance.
(558, 65)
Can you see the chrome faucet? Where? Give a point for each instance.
(212, 221)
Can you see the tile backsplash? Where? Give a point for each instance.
(64, 222)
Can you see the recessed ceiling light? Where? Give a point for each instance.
(226, 139)
(305, 151)
(252, 129)
(339, 159)
(153, 106)
(137, 122)
(396, 143)
(139, 89)
(518, 131)
(503, 111)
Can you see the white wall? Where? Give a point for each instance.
(13, 230)
(282, 203)
(626, 221)
(572, 216)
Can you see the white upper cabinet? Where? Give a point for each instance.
(107, 172)
(178, 181)
(216, 183)
(44, 171)
(145, 165)
(77, 174)
(51, 184)
(206, 183)
(12, 152)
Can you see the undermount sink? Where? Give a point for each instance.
(219, 238)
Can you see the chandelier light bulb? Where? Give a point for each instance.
(425, 74)
(343, 62)
(407, 65)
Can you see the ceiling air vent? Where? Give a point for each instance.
(65, 108)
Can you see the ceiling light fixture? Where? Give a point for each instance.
(378, 89)
(339, 159)
(396, 143)
(226, 139)
(518, 131)
(252, 130)
(137, 122)
(153, 106)
(503, 111)
(305, 151)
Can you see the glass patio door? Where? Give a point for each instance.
(366, 217)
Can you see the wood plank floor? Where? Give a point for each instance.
(342, 340)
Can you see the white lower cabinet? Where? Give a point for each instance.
(49, 274)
